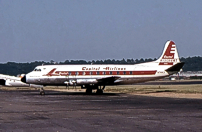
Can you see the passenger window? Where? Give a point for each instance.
(69, 73)
(131, 72)
(124, 72)
(110, 73)
(98, 73)
(117, 72)
(104, 73)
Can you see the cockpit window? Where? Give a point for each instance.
(37, 69)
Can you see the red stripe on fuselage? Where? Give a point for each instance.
(166, 63)
(80, 73)
(144, 72)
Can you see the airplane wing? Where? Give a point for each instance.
(108, 80)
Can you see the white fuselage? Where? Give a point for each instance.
(91, 74)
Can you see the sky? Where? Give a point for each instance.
(59, 30)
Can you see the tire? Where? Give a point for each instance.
(99, 91)
(88, 91)
(42, 93)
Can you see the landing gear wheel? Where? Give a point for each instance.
(42, 93)
(99, 91)
(88, 91)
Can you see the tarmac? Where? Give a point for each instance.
(27, 111)
(176, 82)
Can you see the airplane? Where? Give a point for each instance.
(96, 77)
(12, 81)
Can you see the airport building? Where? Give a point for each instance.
(187, 75)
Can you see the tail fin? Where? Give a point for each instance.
(169, 56)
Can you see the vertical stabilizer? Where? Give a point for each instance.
(169, 56)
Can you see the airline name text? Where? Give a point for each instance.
(105, 68)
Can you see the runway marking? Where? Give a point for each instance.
(132, 117)
(100, 100)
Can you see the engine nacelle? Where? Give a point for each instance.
(86, 81)
(36, 86)
(72, 82)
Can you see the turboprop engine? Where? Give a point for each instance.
(81, 81)
(86, 81)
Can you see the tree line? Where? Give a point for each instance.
(14, 68)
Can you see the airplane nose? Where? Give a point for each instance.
(23, 79)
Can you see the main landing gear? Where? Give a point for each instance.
(100, 90)
(89, 89)
(42, 92)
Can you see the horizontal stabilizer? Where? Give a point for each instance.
(175, 68)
